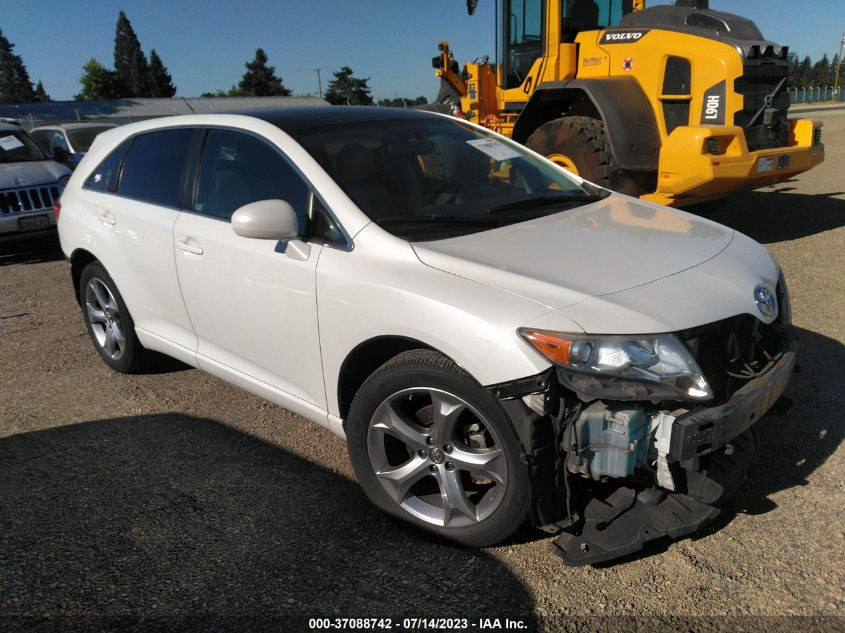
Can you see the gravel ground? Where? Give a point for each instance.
(172, 500)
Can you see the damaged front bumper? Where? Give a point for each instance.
(684, 466)
(701, 432)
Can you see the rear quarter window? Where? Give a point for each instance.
(104, 177)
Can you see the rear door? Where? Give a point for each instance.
(136, 202)
(253, 308)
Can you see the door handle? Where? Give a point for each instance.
(106, 217)
(189, 247)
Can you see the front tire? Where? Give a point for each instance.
(433, 448)
(580, 144)
(109, 323)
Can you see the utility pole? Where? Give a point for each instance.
(319, 82)
(838, 68)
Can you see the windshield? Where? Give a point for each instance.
(82, 138)
(437, 177)
(592, 14)
(16, 147)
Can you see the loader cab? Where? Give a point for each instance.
(534, 29)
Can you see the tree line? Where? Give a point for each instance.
(805, 73)
(133, 76)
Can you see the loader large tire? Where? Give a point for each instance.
(579, 143)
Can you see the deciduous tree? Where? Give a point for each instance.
(402, 102)
(98, 82)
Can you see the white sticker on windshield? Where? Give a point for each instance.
(494, 149)
(10, 142)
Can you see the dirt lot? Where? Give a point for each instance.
(170, 500)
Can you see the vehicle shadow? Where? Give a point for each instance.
(780, 215)
(30, 249)
(172, 522)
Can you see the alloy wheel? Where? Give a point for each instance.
(437, 457)
(105, 319)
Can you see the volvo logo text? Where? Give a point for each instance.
(765, 300)
(619, 38)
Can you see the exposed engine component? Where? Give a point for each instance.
(607, 441)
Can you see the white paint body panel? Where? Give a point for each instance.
(382, 289)
(134, 241)
(598, 249)
(253, 310)
(282, 328)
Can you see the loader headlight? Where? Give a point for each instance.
(648, 367)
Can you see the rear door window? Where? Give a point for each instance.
(154, 167)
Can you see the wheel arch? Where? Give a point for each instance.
(618, 101)
(365, 358)
(79, 259)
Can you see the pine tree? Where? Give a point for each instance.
(804, 70)
(792, 65)
(345, 89)
(159, 81)
(260, 80)
(821, 73)
(130, 63)
(40, 93)
(15, 84)
(98, 82)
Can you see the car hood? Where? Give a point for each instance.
(43, 172)
(595, 250)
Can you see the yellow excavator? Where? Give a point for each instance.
(677, 104)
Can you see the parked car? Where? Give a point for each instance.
(30, 183)
(68, 142)
(495, 338)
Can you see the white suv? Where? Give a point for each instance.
(496, 338)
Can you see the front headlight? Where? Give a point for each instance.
(638, 367)
(63, 183)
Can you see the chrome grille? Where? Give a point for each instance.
(28, 199)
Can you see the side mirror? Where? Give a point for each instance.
(266, 220)
(60, 154)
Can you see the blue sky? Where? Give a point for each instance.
(205, 43)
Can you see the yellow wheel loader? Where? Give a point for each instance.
(677, 104)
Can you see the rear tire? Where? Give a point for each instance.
(109, 323)
(582, 141)
(433, 448)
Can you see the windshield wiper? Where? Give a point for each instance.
(547, 200)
